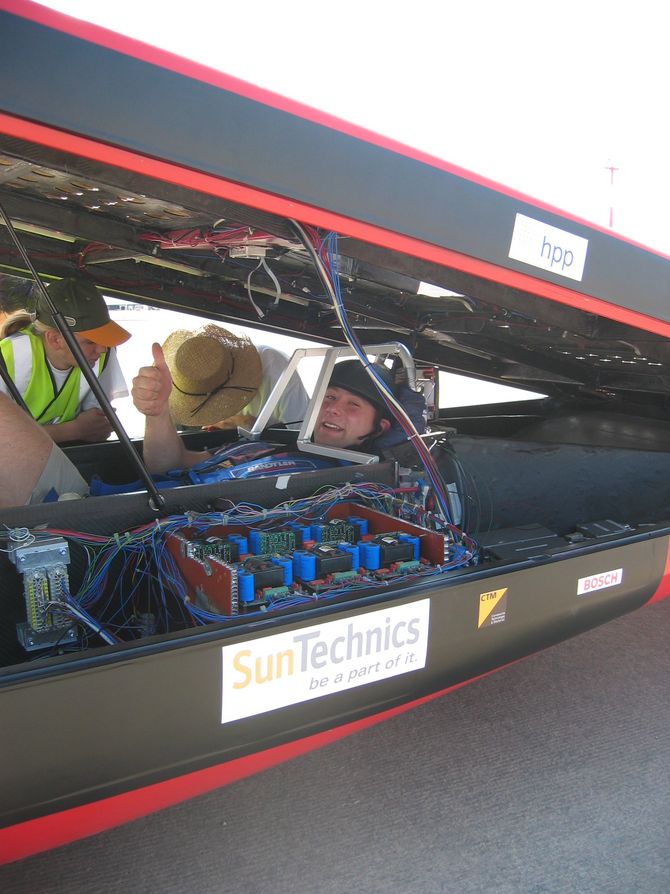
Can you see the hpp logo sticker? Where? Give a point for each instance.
(547, 247)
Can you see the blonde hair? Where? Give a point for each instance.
(21, 319)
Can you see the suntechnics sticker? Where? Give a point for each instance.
(492, 608)
(288, 668)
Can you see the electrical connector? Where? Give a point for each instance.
(247, 251)
(45, 585)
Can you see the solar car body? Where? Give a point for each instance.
(168, 184)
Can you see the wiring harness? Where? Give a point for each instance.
(245, 561)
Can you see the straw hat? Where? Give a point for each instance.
(214, 374)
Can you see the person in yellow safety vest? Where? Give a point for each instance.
(45, 371)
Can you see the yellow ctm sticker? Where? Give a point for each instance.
(492, 607)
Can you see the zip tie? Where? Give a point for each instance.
(259, 312)
(274, 280)
(123, 539)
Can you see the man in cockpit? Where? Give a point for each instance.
(352, 415)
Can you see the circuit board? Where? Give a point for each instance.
(232, 569)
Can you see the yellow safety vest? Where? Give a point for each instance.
(25, 359)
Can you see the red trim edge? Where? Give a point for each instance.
(663, 589)
(57, 829)
(286, 207)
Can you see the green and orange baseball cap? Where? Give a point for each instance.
(84, 310)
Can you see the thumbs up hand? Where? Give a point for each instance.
(152, 385)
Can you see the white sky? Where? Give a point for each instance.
(538, 96)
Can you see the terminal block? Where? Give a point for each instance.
(43, 565)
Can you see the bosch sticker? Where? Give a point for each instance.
(586, 585)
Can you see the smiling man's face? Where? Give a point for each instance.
(346, 420)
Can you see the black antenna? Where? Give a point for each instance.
(156, 501)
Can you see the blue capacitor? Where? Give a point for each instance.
(287, 566)
(304, 530)
(355, 554)
(360, 523)
(242, 543)
(245, 586)
(408, 538)
(255, 542)
(369, 555)
(304, 565)
(315, 533)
